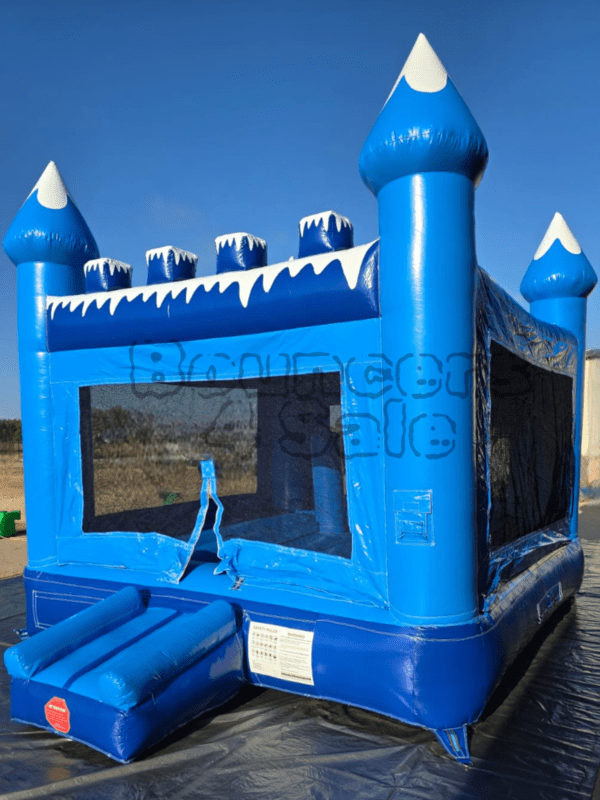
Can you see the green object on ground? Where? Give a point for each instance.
(7, 522)
(170, 498)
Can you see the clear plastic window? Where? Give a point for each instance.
(531, 446)
(276, 443)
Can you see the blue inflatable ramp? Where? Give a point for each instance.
(122, 674)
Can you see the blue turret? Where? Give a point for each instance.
(240, 251)
(169, 264)
(557, 284)
(106, 275)
(326, 232)
(423, 159)
(50, 229)
(559, 270)
(424, 126)
(49, 242)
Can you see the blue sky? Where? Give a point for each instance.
(176, 122)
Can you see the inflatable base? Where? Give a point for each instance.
(130, 669)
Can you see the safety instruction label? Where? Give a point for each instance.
(57, 713)
(284, 653)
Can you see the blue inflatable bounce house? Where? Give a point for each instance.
(352, 475)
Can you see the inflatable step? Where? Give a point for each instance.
(120, 676)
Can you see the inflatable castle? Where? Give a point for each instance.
(352, 475)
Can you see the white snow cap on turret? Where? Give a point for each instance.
(238, 239)
(164, 252)
(111, 263)
(324, 217)
(423, 70)
(558, 229)
(51, 189)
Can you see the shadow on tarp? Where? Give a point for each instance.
(539, 737)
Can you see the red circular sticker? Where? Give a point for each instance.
(57, 714)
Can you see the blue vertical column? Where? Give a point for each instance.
(422, 160)
(557, 284)
(49, 242)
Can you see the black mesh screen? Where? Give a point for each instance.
(531, 458)
(276, 444)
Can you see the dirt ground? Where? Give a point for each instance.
(11, 486)
(13, 551)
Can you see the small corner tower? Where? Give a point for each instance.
(50, 229)
(423, 159)
(559, 271)
(49, 241)
(557, 284)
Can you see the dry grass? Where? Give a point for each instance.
(12, 493)
(130, 475)
(13, 551)
(139, 483)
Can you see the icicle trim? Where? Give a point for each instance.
(178, 254)
(350, 260)
(238, 239)
(324, 217)
(98, 263)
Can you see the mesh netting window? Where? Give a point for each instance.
(276, 444)
(531, 446)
